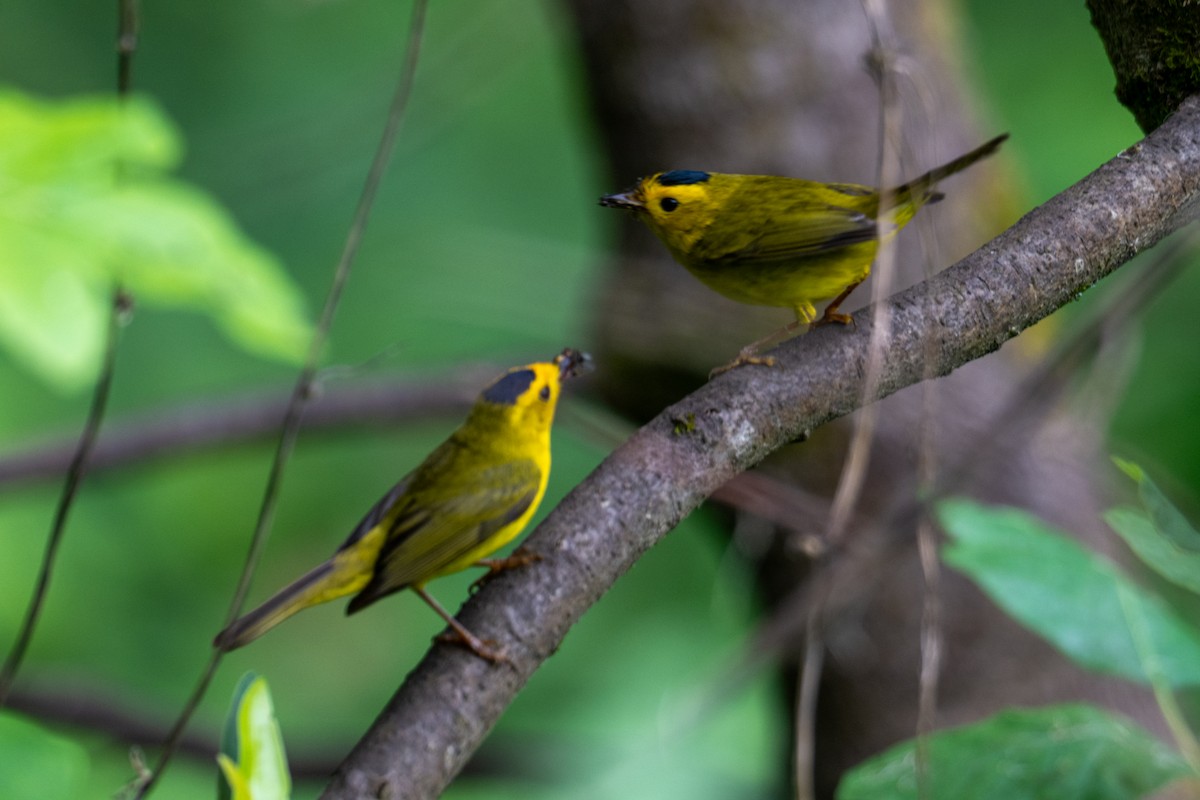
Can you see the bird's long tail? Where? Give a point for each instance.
(920, 191)
(328, 581)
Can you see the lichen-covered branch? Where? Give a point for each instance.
(447, 705)
(1154, 47)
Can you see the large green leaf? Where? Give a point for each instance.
(1075, 599)
(84, 202)
(1070, 752)
(252, 761)
(35, 763)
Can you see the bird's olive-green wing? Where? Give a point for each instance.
(443, 521)
(378, 512)
(784, 223)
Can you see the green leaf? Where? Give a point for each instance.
(252, 761)
(35, 763)
(1078, 601)
(1157, 532)
(1055, 753)
(1156, 550)
(1167, 518)
(85, 202)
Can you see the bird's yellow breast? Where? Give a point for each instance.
(766, 240)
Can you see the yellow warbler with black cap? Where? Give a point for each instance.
(468, 498)
(773, 241)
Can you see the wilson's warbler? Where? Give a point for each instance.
(468, 498)
(772, 241)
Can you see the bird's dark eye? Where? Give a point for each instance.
(668, 204)
(544, 393)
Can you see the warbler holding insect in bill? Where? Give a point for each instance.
(774, 241)
(468, 498)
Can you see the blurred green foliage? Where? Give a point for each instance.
(1070, 751)
(87, 206)
(38, 763)
(481, 247)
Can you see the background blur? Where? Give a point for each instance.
(483, 247)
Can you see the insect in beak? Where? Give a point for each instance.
(571, 362)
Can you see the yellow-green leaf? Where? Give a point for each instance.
(252, 760)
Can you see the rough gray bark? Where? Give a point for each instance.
(450, 701)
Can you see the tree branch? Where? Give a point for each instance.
(447, 705)
(213, 423)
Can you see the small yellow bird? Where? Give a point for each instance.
(468, 498)
(773, 241)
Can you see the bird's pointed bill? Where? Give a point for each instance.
(629, 200)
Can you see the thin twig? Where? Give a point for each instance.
(865, 422)
(808, 682)
(1152, 669)
(931, 572)
(75, 473)
(931, 633)
(931, 641)
(302, 391)
(119, 309)
(128, 16)
(931, 647)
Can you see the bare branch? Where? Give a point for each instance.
(431, 726)
(215, 423)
